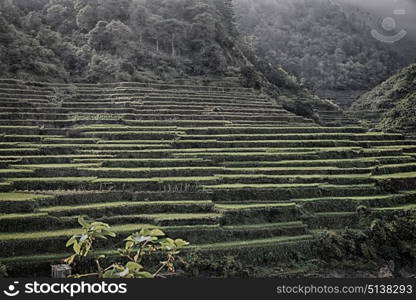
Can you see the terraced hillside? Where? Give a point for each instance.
(326, 112)
(223, 168)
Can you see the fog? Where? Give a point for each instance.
(382, 9)
(386, 8)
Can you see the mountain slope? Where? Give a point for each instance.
(325, 45)
(109, 40)
(394, 100)
(224, 168)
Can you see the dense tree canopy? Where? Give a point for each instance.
(395, 101)
(107, 40)
(323, 44)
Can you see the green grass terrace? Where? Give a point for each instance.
(228, 169)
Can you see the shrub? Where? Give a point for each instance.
(304, 108)
(402, 116)
(281, 78)
(59, 96)
(390, 238)
(139, 247)
(250, 78)
(226, 266)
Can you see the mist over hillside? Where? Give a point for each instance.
(326, 44)
(402, 11)
(386, 8)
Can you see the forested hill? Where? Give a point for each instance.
(395, 100)
(116, 40)
(325, 45)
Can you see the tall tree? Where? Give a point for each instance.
(226, 8)
(86, 18)
(171, 30)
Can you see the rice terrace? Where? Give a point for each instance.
(260, 138)
(225, 168)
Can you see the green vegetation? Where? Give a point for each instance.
(397, 175)
(55, 166)
(161, 118)
(161, 179)
(21, 196)
(394, 100)
(385, 239)
(107, 41)
(138, 247)
(68, 232)
(411, 207)
(62, 179)
(260, 186)
(402, 116)
(256, 243)
(242, 179)
(325, 45)
(252, 206)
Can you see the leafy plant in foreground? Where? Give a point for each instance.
(138, 247)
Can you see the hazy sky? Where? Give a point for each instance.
(385, 8)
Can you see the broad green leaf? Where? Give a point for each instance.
(109, 274)
(100, 224)
(143, 275)
(77, 247)
(82, 222)
(123, 273)
(70, 241)
(129, 238)
(143, 231)
(128, 245)
(70, 260)
(134, 266)
(156, 232)
(87, 248)
(181, 243)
